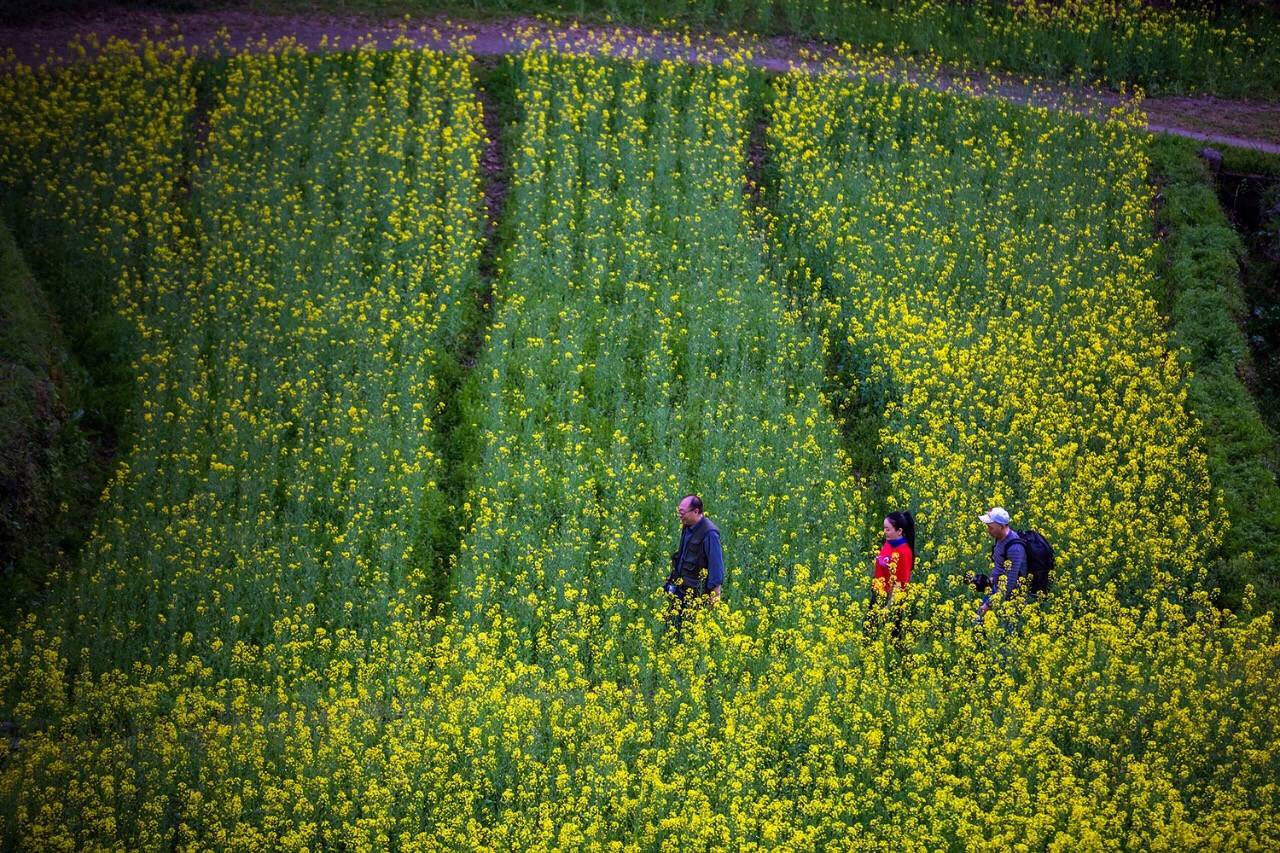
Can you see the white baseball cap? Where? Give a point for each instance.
(996, 515)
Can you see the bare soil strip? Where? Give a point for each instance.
(1241, 124)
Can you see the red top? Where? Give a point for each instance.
(896, 558)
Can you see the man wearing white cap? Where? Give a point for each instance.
(1008, 555)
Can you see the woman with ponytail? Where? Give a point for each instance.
(897, 554)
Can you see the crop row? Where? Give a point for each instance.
(275, 513)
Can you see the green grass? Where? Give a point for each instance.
(1245, 161)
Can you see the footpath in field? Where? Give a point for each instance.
(1242, 124)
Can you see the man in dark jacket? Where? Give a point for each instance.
(697, 567)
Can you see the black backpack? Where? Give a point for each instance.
(1039, 559)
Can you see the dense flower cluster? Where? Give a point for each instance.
(247, 660)
(987, 274)
(95, 150)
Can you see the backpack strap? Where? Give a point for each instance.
(1018, 541)
(1026, 554)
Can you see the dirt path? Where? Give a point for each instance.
(1242, 124)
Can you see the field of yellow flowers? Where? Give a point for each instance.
(987, 273)
(250, 654)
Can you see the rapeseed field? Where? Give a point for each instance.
(939, 304)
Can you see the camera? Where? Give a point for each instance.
(980, 582)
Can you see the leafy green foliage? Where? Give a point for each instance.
(46, 471)
(1199, 286)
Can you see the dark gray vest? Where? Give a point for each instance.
(689, 564)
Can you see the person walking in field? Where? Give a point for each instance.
(897, 555)
(697, 566)
(1008, 557)
(892, 572)
(1019, 558)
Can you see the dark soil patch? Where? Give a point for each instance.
(757, 157)
(1252, 203)
(495, 172)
